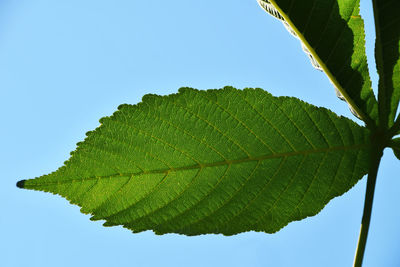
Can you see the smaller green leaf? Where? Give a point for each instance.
(395, 145)
(332, 34)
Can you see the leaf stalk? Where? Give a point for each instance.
(378, 146)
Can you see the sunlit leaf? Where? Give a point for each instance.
(216, 161)
(332, 34)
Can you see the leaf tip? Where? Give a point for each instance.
(21, 184)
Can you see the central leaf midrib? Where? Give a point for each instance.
(205, 165)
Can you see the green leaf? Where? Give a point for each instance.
(216, 161)
(332, 33)
(395, 145)
(387, 54)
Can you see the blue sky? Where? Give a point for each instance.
(66, 64)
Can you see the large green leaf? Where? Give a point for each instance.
(387, 54)
(332, 33)
(216, 161)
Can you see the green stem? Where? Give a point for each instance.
(376, 155)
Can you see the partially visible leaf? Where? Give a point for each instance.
(216, 161)
(332, 33)
(387, 54)
(395, 145)
(267, 6)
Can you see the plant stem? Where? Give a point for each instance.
(376, 155)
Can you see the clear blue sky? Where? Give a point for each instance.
(66, 64)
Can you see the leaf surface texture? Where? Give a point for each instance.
(216, 161)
